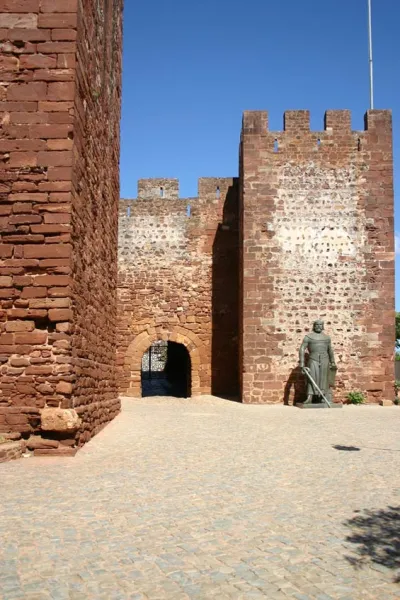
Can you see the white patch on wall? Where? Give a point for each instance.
(321, 232)
(316, 243)
(160, 238)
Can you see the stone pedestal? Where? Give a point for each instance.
(319, 405)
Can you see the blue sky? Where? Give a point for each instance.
(191, 68)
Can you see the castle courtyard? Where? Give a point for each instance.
(207, 498)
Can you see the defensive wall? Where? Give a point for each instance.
(178, 280)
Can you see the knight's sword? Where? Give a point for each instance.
(307, 372)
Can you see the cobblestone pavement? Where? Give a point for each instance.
(210, 499)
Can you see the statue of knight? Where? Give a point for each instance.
(321, 368)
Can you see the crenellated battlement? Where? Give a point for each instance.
(215, 187)
(297, 122)
(158, 189)
(167, 189)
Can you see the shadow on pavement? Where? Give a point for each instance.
(346, 448)
(376, 536)
(357, 449)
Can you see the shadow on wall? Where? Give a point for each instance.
(178, 369)
(225, 300)
(376, 536)
(295, 388)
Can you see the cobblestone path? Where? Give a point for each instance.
(210, 499)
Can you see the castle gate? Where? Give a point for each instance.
(163, 364)
(166, 370)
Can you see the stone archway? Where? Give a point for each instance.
(143, 341)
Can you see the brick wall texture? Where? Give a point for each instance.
(59, 193)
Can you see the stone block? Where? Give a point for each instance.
(64, 387)
(18, 21)
(11, 450)
(61, 451)
(36, 442)
(13, 437)
(59, 420)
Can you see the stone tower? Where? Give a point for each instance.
(317, 240)
(60, 96)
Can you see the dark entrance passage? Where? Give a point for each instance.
(166, 370)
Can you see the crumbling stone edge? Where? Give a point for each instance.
(13, 448)
(57, 423)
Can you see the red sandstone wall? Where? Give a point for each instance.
(48, 181)
(178, 280)
(37, 99)
(95, 199)
(317, 241)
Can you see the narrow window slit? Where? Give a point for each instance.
(318, 143)
(218, 193)
(276, 145)
(188, 210)
(128, 211)
(161, 192)
(359, 145)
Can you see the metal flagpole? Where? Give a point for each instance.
(371, 59)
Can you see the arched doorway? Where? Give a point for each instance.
(199, 379)
(166, 370)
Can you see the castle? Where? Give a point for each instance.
(238, 274)
(232, 278)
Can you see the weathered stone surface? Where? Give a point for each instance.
(318, 242)
(11, 450)
(178, 280)
(59, 420)
(13, 436)
(60, 451)
(35, 442)
(64, 387)
(59, 95)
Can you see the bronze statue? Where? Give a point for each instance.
(321, 363)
